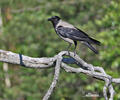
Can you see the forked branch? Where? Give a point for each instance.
(61, 62)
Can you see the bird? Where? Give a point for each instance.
(72, 34)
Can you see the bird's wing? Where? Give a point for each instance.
(72, 33)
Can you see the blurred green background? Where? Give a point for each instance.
(25, 30)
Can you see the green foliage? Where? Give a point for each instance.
(28, 32)
(110, 36)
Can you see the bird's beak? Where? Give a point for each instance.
(49, 19)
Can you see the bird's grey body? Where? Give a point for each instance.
(64, 24)
(71, 34)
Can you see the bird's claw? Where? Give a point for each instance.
(74, 53)
(68, 52)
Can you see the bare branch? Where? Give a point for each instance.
(112, 92)
(37, 8)
(93, 71)
(56, 75)
(13, 58)
(26, 9)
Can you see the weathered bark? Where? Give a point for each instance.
(47, 62)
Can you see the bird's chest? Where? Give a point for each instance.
(68, 40)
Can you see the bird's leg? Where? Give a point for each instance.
(75, 42)
(68, 48)
(74, 52)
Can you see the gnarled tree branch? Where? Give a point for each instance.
(45, 62)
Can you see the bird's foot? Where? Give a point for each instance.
(68, 52)
(74, 53)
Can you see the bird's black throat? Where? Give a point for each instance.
(55, 22)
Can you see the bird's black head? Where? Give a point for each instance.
(54, 20)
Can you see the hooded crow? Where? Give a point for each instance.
(71, 34)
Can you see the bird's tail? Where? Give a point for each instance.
(91, 47)
(93, 41)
